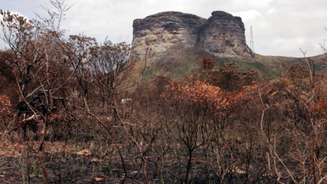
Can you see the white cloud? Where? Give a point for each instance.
(249, 15)
(257, 4)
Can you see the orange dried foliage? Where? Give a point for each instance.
(5, 105)
(319, 106)
(203, 94)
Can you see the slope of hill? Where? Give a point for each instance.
(182, 63)
(177, 45)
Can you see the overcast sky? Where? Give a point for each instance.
(280, 27)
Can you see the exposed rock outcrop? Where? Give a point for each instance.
(221, 35)
(224, 35)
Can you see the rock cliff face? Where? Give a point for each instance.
(221, 35)
(224, 35)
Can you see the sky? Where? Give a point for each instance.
(280, 27)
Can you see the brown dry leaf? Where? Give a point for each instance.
(84, 152)
(99, 178)
(95, 160)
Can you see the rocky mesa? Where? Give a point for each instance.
(221, 35)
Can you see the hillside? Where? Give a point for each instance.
(178, 45)
(190, 62)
